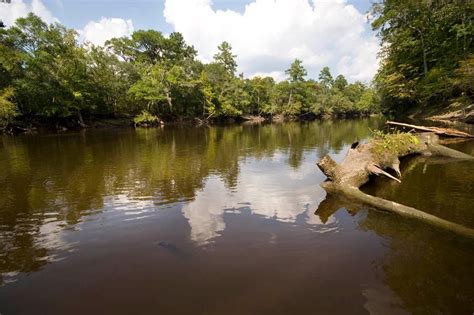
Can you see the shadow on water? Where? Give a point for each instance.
(428, 268)
(221, 217)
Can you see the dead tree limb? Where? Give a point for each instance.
(448, 132)
(376, 156)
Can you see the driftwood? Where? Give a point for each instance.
(448, 132)
(364, 160)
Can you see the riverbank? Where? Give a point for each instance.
(32, 126)
(445, 113)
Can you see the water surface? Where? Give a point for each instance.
(223, 220)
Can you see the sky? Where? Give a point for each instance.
(266, 35)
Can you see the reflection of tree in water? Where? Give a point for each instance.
(429, 269)
(430, 184)
(63, 178)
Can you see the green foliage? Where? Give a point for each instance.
(425, 46)
(225, 58)
(296, 72)
(8, 109)
(51, 76)
(146, 119)
(369, 102)
(325, 77)
(340, 82)
(393, 144)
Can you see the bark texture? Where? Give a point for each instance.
(364, 160)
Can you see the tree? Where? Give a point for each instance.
(8, 109)
(46, 74)
(325, 78)
(160, 87)
(423, 43)
(52, 79)
(109, 81)
(260, 90)
(340, 82)
(226, 58)
(296, 72)
(152, 47)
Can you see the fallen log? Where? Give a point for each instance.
(448, 132)
(374, 158)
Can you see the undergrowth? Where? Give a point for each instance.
(146, 119)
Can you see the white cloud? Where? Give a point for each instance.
(98, 33)
(277, 75)
(10, 12)
(269, 34)
(284, 202)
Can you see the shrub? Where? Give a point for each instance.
(8, 109)
(146, 119)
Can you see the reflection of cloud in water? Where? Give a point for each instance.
(132, 208)
(50, 236)
(278, 193)
(205, 213)
(49, 244)
(52, 239)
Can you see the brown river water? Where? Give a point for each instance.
(224, 220)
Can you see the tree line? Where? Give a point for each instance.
(47, 75)
(427, 54)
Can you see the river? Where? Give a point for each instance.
(223, 220)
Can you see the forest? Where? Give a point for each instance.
(48, 76)
(427, 55)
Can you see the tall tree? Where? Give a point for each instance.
(325, 77)
(296, 72)
(340, 82)
(226, 58)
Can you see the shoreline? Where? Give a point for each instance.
(42, 127)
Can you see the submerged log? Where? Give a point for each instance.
(381, 154)
(448, 132)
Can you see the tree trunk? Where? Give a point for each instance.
(362, 161)
(169, 100)
(425, 65)
(81, 120)
(448, 132)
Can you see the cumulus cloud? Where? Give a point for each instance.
(270, 34)
(9, 12)
(98, 33)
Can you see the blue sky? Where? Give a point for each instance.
(145, 14)
(266, 35)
